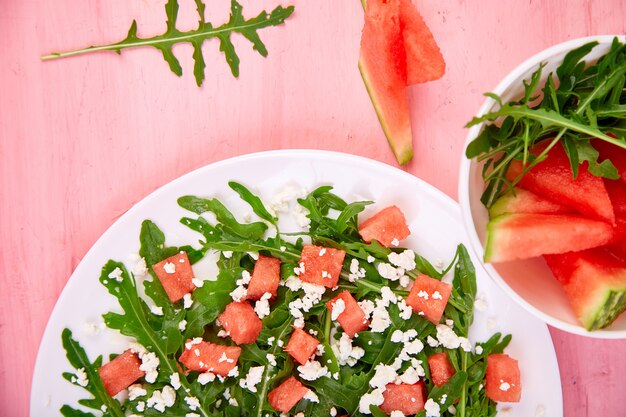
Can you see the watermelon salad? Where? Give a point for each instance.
(335, 319)
(555, 172)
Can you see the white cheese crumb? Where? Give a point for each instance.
(271, 359)
(312, 370)
(280, 343)
(339, 306)
(223, 333)
(356, 272)
(182, 325)
(504, 386)
(197, 282)
(157, 311)
(311, 396)
(301, 214)
(81, 377)
(384, 374)
(139, 267)
(405, 310)
(373, 398)
(225, 358)
(227, 254)
(437, 296)
(480, 304)
(404, 260)
(116, 274)
(192, 402)
(333, 412)
(169, 267)
(396, 413)
(187, 301)
(370, 259)
(368, 307)
(432, 408)
(254, 377)
(449, 339)
(192, 415)
(239, 293)
(135, 391)
(395, 242)
(262, 307)
(270, 340)
(478, 349)
(410, 376)
(432, 342)
(405, 281)
(380, 318)
(254, 255)
(389, 272)
(162, 399)
(206, 377)
(345, 353)
(149, 364)
(175, 380)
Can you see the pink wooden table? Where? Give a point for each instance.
(82, 139)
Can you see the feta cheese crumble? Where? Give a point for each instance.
(116, 274)
(169, 267)
(254, 377)
(81, 377)
(187, 301)
(339, 306)
(157, 311)
(162, 399)
(312, 370)
(432, 408)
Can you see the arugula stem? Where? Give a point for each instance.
(266, 379)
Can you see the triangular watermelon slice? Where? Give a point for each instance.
(552, 179)
(595, 284)
(522, 236)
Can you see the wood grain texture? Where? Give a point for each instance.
(83, 139)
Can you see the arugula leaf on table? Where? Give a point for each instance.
(236, 24)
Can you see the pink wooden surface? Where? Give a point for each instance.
(82, 139)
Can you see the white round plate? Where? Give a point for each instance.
(434, 220)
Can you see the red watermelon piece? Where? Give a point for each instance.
(594, 282)
(382, 63)
(441, 370)
(616, 154)
(121, 372)
(521, 236)
(406, 398)
(265, 277)
(388, 227)
(552, 179)
(320, 265)
(241, 322)
(352, 319)
(503, 379)
(175, 275)
(286, 395)
(424, 61)
(301, 345)
(428, 297)
(209, 357)
(519, 200)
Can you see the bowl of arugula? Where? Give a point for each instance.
(544, 156)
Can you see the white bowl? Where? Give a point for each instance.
(528, 282)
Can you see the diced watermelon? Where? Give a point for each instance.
(423, 56)
(320, 265)
(441, 370)
(406, 398)
(301, 345)
(382, 63)
(121, 372)
(175, 275)
(286, 395)
(616, 154)
(209, 357)
(265, 277)
(519, 200)
(594, 282)
(428, 297)
(552, 179)
(388, 227)
(352, 319)
(241, 322)
(521, 236)
(503, 379)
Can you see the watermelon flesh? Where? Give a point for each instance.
(503, 382)
(175, 275)
(522, 236)
(382, 63)
(352, 319)
(594, 282)
(119, 373)
(406, 398)
(519, 200)
(320, 265)
(241, 322)
(428, 297)
(210, 357)
(265, 278)
(552, 179)
(388, 227)
(441, 370)
(301, 345)
(286, 395)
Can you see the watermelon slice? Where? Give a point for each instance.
(503, 378)
(286, 395)
(594, 282)
(441, 370)
(265, 278)
(382, 63)
(301, 345)
(428, 297)
(241, 322)
(521, 236)
(552, 179)
(320, 265)
(352, 318)
(175, 275)
(424, 61)
(210, 357)
(406, 398)
(388, 227)
(519, 200)
(120, 372)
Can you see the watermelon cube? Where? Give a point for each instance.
(519, 200)
(265, 277)
(320, 265)
(352, 318)
(406, 398)
(552, 179)
(241, 322)
(441, 370)
(175, 275)
(301, 345)
(286, 395)
(521, 236)
(121, 372)
(429, 297)
(503, 379)
(209, 357)
(594, 282)
(388, 227)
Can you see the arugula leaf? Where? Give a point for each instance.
(236, 24)
(254, 201)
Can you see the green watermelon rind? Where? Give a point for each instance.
(603, 306)
(403, 150)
